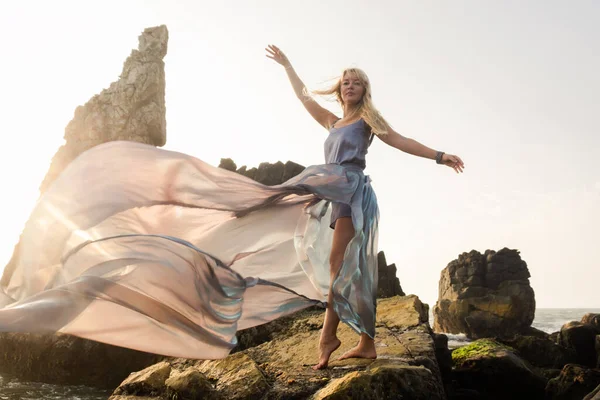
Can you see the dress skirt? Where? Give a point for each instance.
(157, 251)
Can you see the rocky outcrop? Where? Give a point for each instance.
(591, 319)
(132, 108)
(68, 360)
(280, 368)
(266, 173)
(485, 295)
(388, 282)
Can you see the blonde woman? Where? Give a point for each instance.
(347, 143)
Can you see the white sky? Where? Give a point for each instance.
(510, 86)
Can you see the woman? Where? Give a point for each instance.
(157, 251)
(349, 138)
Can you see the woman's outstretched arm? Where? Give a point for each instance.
(323, 116)
(415, 148)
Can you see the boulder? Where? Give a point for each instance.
(582, 339)
(591, 319)
(383, 380)
(541, 352)
(237, 377)
(270, 174)
(188, 385)
(573, 383)
(228, 164)
(485, 295)
(69, 360)
(496, 372)
(148, 382)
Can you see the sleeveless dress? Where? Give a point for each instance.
(347, 145)
(157, 251)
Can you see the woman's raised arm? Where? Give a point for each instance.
(323, 116)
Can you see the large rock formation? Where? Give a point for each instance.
(485, 295)
(132, 108)
(281, 367)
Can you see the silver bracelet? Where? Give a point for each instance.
(438, 157)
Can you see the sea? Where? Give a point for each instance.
(546, 319)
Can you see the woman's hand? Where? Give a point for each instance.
(274, 53)
(453, 162)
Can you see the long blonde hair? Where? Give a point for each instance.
(365, 108)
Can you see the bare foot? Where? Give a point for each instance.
(325, 350)
(360, 351)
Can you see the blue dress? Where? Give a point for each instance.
(347, 145)
(158, 251)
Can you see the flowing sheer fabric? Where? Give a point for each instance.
(158, 251)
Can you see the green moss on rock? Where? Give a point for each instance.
(477, 349)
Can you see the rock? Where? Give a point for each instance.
(591, 319)
(388, 282)
(270, 174)
(237, 376)
(541, 352)
(383, 380)
(228, 164)
(251, 173)
(597, 346)
(496, 372)
(594, 395)
(188, 385)
(582, 339)
(443, 356)
(485, 295)
(290, 170)
(281, 367)
(266, 173)
(573, 383)
(132, 108)
(147, 382)
(69, 360)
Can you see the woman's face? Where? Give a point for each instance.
(352, 89)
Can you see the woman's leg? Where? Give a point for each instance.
(343, 233)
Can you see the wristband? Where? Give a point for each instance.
(438, 157)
